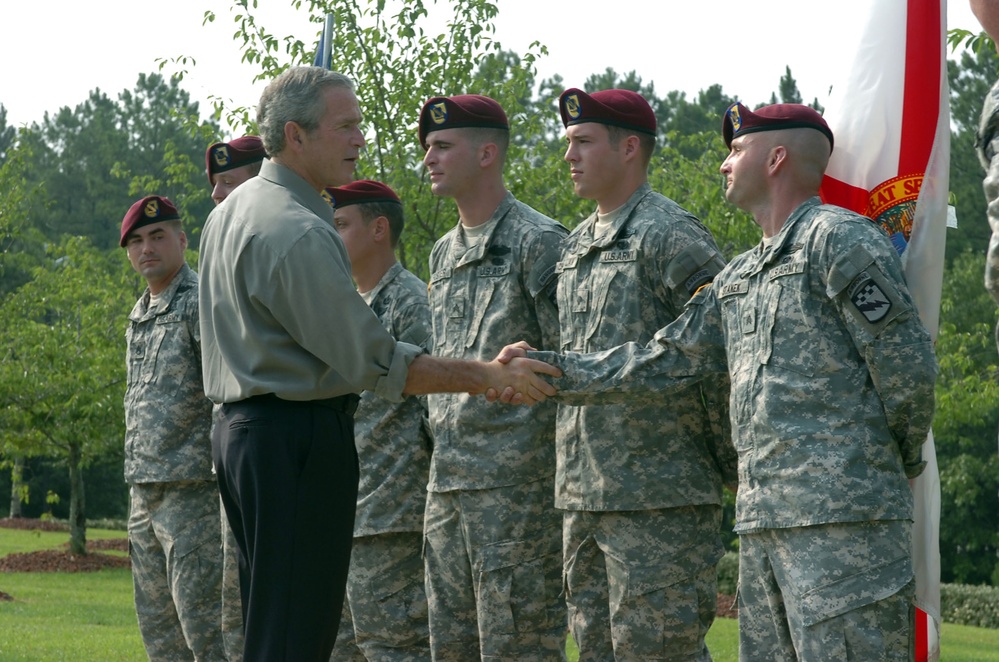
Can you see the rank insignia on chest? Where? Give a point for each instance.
(568, 263)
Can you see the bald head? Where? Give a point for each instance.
(809, 152)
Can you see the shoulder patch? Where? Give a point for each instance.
(869, 299)
(543, 277)
(698, 263)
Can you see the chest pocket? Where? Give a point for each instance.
(146, 351)
(791, 341)
(461, 299)
(603, 292)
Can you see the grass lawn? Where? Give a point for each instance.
(69, 616)
(89, 617)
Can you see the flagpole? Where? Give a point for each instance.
(324, 51)
(327, 61)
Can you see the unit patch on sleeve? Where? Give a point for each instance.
(869, 299)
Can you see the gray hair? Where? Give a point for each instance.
(295, 96)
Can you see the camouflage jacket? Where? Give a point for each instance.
(987, 144)
(498, 292)
(632, 280)
(393, 443)
(832, 372)
(167, 416)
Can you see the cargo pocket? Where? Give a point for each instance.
(853, 592)
(519, 582)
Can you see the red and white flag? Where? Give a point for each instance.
(891, 120)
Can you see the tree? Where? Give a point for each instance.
(7, 134)
(397, 63)
(97, 158)
(789, 88)
(964, 426)
(61, 375)
(970, 81)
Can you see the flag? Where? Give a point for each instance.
(324, 51)
(891, 120)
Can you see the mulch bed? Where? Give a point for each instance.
(53, 560)
(726, 608)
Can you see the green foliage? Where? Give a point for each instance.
(977, 606)
(967, 414)
(21, 245)
(7, 134)
(695, 182)
(398, 62)
(970, 80)
(61, 378)
(976, 42)
(96, 159)
(728, 573)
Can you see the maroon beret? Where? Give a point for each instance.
(461, 112)
(623, 108)
(740, 120)
(360, 192)
(151, 209)
(234, 154)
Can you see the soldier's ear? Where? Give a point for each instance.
(380, 228)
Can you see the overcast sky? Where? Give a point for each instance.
(53, 53)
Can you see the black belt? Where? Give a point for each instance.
(342, 403)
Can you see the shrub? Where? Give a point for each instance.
(977, 606)
(728, 573)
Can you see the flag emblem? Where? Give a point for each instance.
(870, 300)
(152, 209)
(438, 112)
(572, 108)
(893, 205)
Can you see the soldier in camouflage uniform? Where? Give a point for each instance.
(228, 165)
(492, 535)
(640, 483)
(987, 144)
(832, 397)
(173, 526)
(385, 612)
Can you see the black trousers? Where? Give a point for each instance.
(287, 473)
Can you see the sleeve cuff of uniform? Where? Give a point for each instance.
(914, 470)
(391, 385)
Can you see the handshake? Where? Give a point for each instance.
(511, 377)
(515, 379)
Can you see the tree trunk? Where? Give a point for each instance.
(77, 517)
(16, 486)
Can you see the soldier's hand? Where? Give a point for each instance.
(510, 352)
(519, 381)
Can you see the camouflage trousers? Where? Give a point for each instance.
(642, 585)
(232, 603)
(176, 551)
(385, 611)
(493, 571)
(828, 592)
